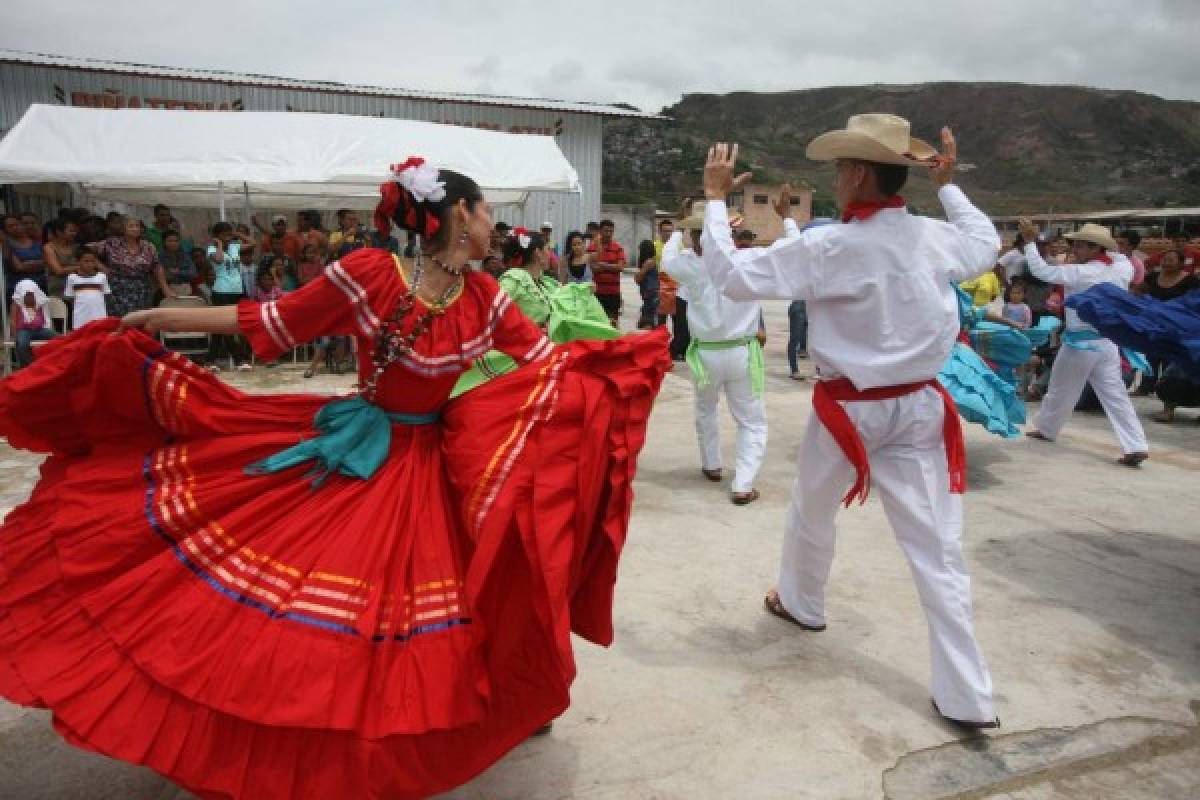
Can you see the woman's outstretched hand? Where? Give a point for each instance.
(149, 321)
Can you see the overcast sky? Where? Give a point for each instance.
(646, 53)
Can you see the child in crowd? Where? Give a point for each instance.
(268, 284)
(248, 267)
(29, 320)
(1015, 308)
(203, 279)
(268, 289)
(88, 286)
(310, 265)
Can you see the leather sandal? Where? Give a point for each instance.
(713, 475)
(1133, 459)
(775, 606)
(1041, 437)
(744, 498)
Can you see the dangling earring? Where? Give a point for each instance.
(462, 237)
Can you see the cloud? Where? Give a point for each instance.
(637, 52)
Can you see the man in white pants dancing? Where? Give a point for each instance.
(882, 318)
(1086, 356)
(725, 355)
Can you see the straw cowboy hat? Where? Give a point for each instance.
(695, 222)
(879, 138)
(1096, 234)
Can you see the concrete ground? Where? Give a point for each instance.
(1087, 600)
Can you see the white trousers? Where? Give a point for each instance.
(903, 440)
(1101, 368)
(729, 372)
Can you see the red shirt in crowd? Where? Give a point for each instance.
(608, 281)
(291, 245)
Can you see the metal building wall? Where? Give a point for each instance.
(581, 137)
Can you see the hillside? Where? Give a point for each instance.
(1034, 148)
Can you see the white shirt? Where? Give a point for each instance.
(1077, 277)
(1014, 264)
(881, 308)
(89, 301)
(712, 317)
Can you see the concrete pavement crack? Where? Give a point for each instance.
(1150, 747)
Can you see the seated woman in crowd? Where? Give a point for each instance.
(29, 320)
(176, 268)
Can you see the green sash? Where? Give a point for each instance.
(758, 369)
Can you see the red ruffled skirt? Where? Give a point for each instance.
(249, 637)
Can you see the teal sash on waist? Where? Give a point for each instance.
(1080, 340)
(354, 437)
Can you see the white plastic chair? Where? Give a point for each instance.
(185, 343)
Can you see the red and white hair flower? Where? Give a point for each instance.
(420, 179)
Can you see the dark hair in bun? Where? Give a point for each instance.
(517, 256)
(429, 219)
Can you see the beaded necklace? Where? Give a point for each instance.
(390, 344)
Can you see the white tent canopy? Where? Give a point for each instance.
(282, 160)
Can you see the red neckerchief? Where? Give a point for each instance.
(827, 399)
(1104, 258)
(864, 211)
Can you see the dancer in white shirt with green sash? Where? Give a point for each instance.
(725, 355)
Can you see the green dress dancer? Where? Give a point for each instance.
(566, 311)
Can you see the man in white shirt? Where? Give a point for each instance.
(883, 318)
(1086, 356)
(725, 355)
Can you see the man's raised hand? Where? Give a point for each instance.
(719, 178)
(943, 172)
(783, 206)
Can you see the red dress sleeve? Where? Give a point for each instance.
(516, 335)
(347, 298)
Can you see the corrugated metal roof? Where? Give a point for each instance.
(272, 81)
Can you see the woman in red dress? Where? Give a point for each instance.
(383, 606)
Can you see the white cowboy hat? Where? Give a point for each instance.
(1096, 234)
(879, 138)
(695, 222)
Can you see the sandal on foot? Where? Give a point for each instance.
(713, 475)
(775, 606)
(966, 724)
(1132, 459)
(1041, 437)
(744, 498)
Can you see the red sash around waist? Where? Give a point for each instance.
(827, 399)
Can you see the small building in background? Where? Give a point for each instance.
(756, 204)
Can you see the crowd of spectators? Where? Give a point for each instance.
(109, 266)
